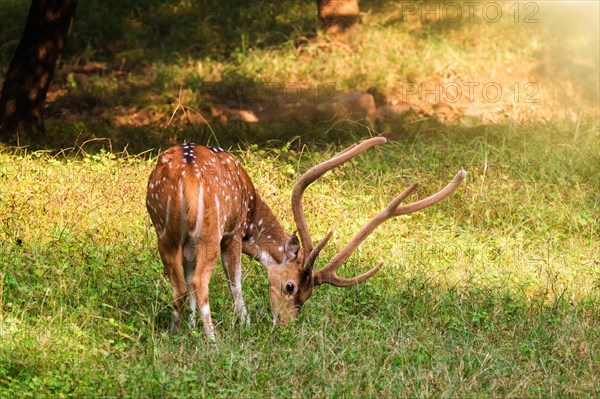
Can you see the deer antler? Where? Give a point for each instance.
(327, 274)
(309, 252)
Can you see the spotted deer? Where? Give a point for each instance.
(202, 204)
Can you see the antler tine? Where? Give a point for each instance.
(313, 174)
(334, 279)
(314, 254)
(327, 274)
(432, 199)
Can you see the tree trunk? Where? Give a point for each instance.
(32, 68)
(337, 15)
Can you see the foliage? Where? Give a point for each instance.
(157, 56)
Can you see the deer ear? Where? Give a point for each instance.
(292, 247)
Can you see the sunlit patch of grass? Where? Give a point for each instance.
(492, 292)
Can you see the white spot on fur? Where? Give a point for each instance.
(265, 258)
(199, 215)
(218, 207)
(182, 210)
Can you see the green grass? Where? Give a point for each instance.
(223, 53)
(492, 293)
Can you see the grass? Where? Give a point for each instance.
(493, 292)
(213, 57)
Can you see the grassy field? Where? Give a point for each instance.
(493, 292)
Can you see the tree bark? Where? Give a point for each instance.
(32, 68)
(337, 15)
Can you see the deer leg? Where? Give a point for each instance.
(231, 255)
(172, 260)
(189, 267)
(206, 260)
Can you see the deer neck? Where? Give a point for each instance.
(265, 237)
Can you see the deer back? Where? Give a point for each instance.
(199, 192)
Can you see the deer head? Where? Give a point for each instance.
(292, 281)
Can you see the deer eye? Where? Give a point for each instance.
(289, 288)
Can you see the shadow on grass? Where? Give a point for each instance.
(156, 30)
(131, 101)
